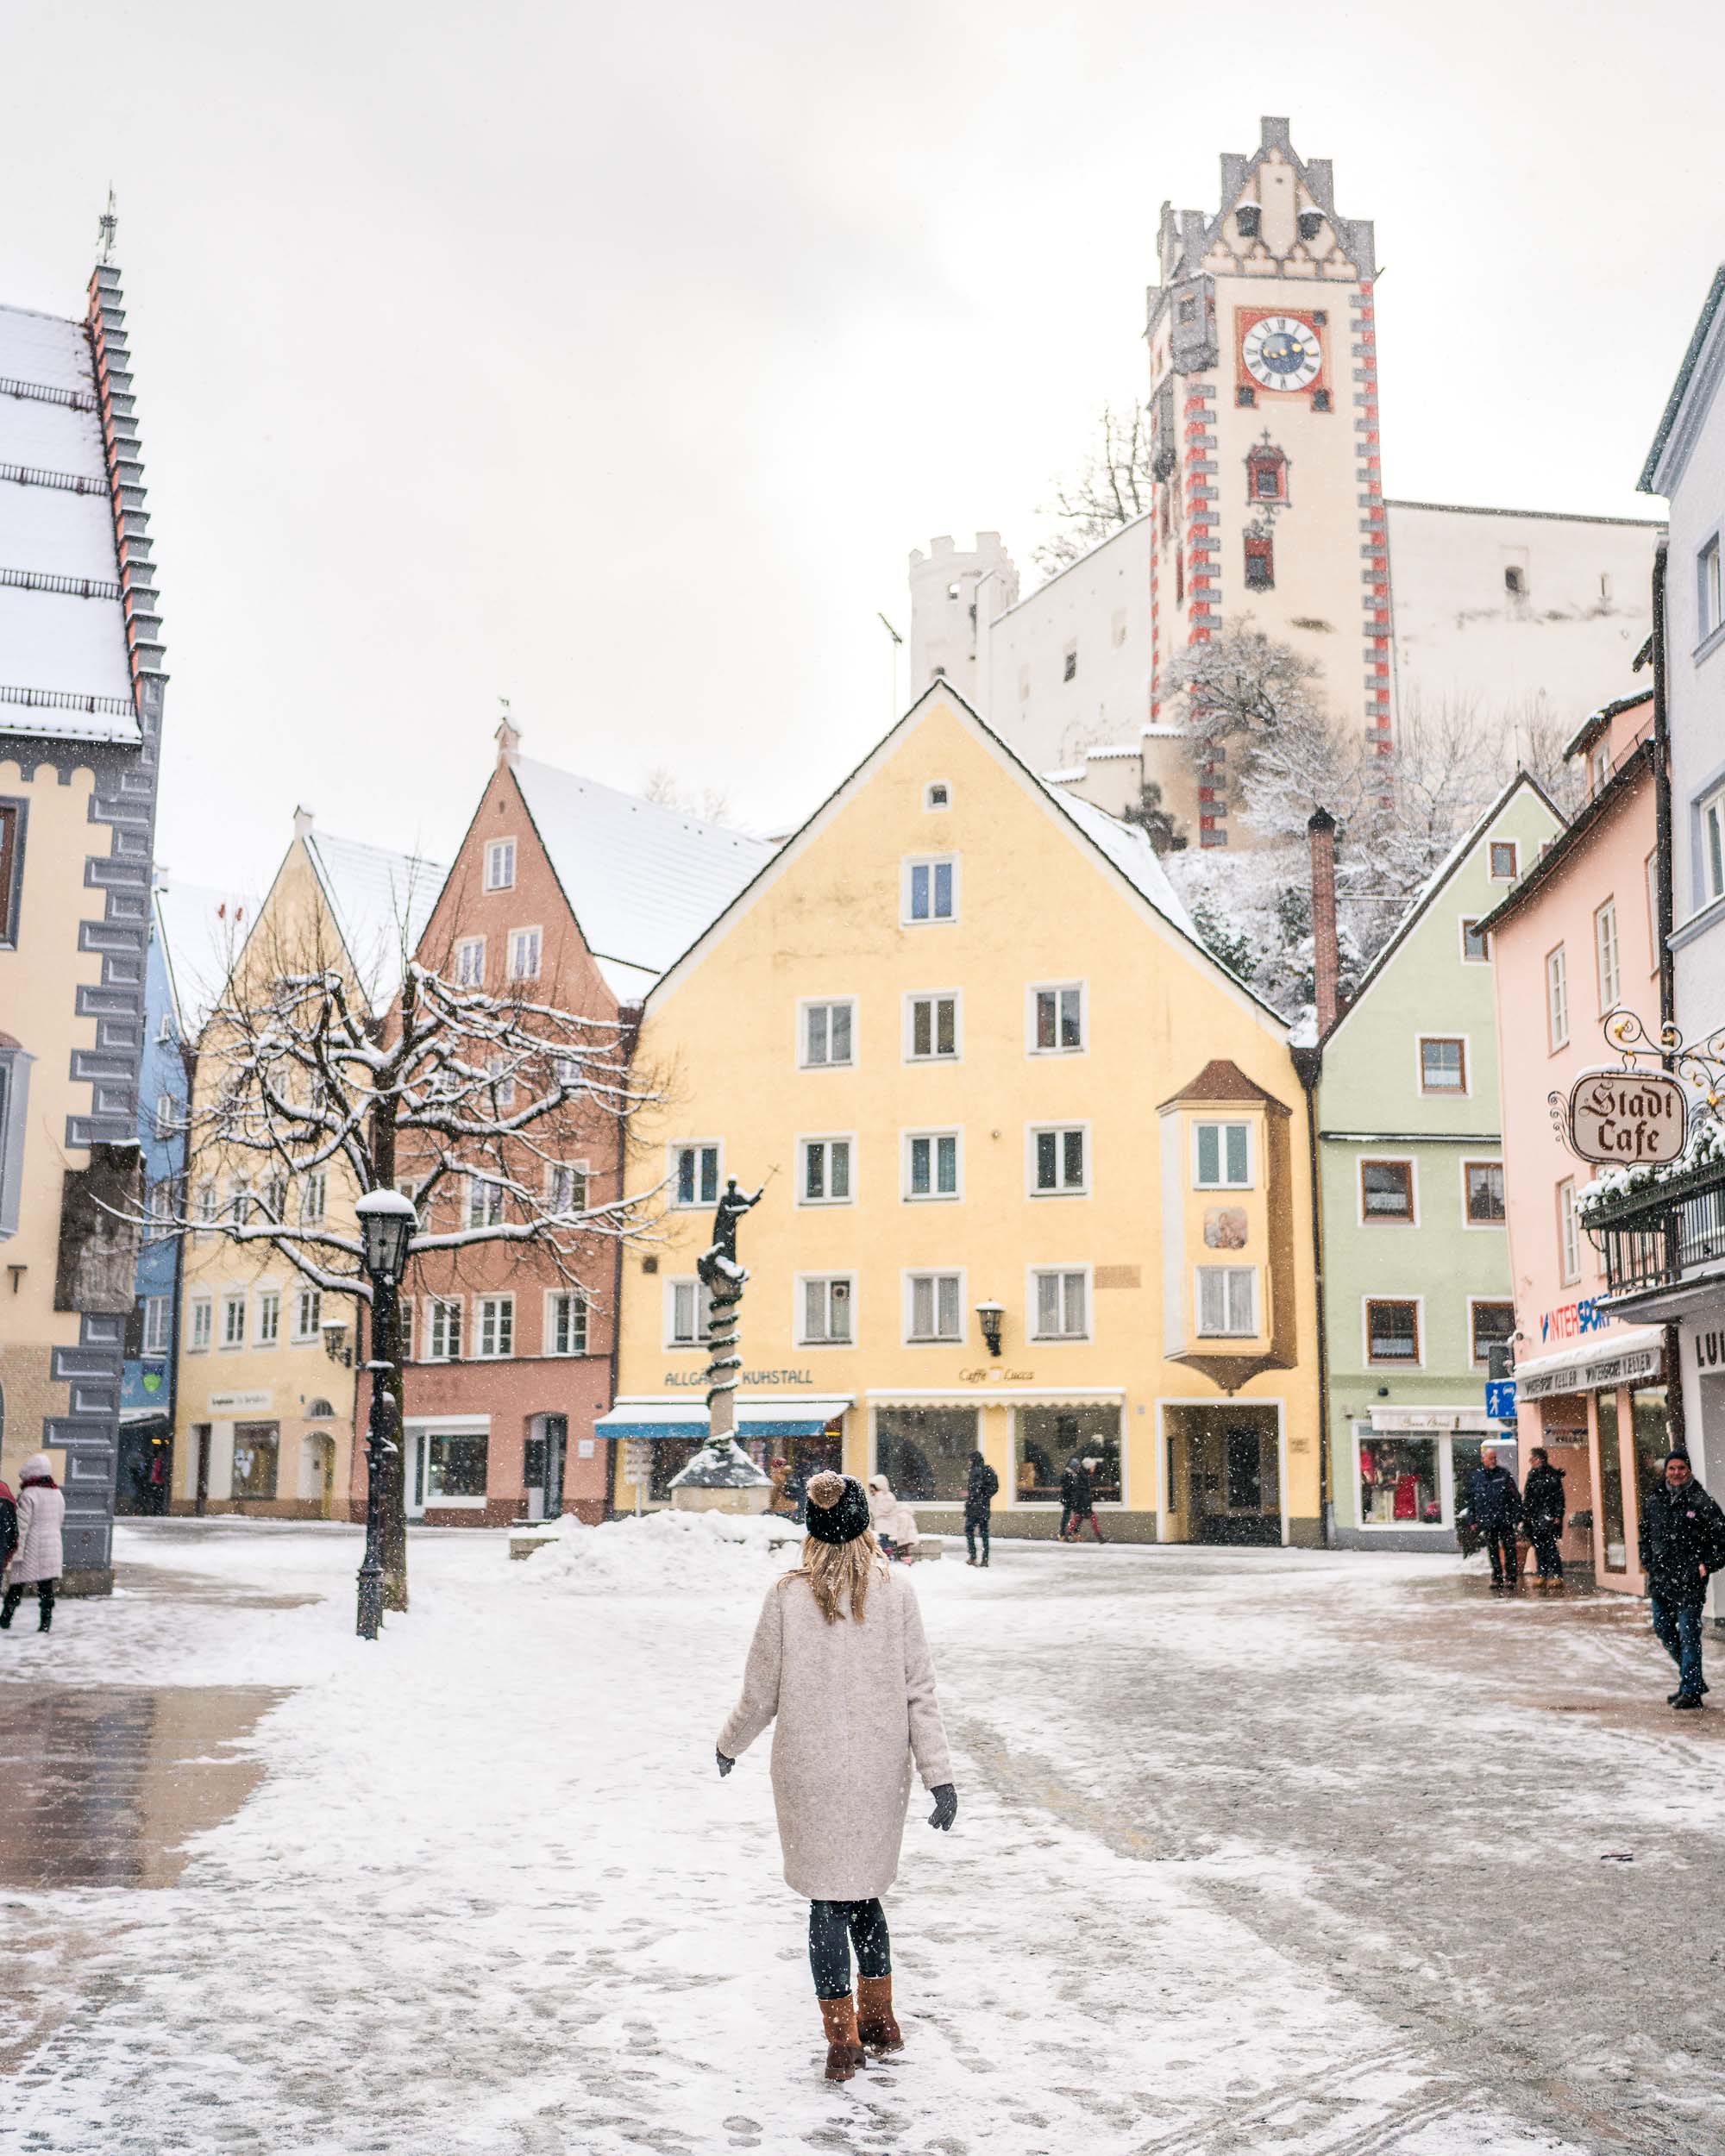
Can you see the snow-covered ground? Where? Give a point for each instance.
(1256, 1851)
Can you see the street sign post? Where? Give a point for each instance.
(1500, 1399)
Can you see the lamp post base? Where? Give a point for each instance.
(371, 1599)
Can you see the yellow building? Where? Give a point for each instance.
(959, 1029)
(264, 1407)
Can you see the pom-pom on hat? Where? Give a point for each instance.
(838, 1507)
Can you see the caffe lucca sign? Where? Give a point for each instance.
(1627, 1119)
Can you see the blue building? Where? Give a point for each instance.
(146, 1464)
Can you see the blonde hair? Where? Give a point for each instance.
(836, 1572)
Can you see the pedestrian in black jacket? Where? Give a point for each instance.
(979, 1496)
(1542, 1513)
(1682, 1541)
(1496, 1504)
(1077, 1500)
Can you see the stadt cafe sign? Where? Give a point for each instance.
(1627, 1119)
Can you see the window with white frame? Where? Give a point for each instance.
(207, 1208)
(308, 1314)
(275, 1198)
(824, 1308)
(1482, 1182)
(566, 1323)
(1505, 861)
(1221, 1155)
(686, 1305)
(313, 1196)
(1569, 1231)
(1392, 1333)
(523, 954)
(232, 1321)
(1489, 1324)
(501, 1072)
(1059, 1160)
(829, 1034)
(931, 1164)
(934, 1307)
(1557, 999)
(485, 1202)
(1061, 1303)
(239, 1202)
(931, 1028)
(930, 890)
(496, 1327)
(1386, 1190)
(1712, 812)
(566, 1187)
(1709, 583)
(404, 1318)
(824, 1178)
(1599, 765)
(470, 962)
(694, 1174)
(203, 1317)
(938, 794)
(500, 872)
(1227, 1301)
(1605, 954)
(167, 1115)
(442, 1329)
(157, 1310)
(1473, 944)
(269, 1317)
(1057, 1019)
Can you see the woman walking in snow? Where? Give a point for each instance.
(840, 1659)
(38, 1561)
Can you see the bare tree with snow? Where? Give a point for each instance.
(474, 1103)
(1111, 488)
(711, 804)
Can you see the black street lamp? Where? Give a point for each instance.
(387, 1226)
(991, 1316)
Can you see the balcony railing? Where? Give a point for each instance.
(1652, 1237)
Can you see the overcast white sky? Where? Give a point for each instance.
(613, 360)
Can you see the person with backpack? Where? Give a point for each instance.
(979, 1496)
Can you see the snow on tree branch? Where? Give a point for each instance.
(1112, 488)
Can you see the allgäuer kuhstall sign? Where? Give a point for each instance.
(1627, 1119)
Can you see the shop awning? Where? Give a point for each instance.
(1613, 1358)
(657, 1416)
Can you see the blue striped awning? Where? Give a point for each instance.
(663, 1418)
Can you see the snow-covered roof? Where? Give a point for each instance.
(201, 931)
(642, 881)
(65, 669)
(1131, 853)
(381, 902)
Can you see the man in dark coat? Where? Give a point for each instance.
(979, 1496)
(1495, 1505)
(1075, 1486)
(1683, 1539)
(1542, 1513)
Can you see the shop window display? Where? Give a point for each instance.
(455, 1467)
(1613, 1530)
(256, 1450)
(1398, 1483)
(1045, 1438)
(924, 1453)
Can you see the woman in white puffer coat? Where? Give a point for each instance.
(39, 1559)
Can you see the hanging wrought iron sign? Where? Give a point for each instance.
(1627, 1119)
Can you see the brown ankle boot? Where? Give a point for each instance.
(876, 2027)
(845, 2052)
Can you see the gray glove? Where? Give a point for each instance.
(945, 1807)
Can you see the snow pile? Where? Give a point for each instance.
(707, 1551)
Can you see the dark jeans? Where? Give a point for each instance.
(1505, 1553)
(1545, 1554)
(972, 1529)
(1678, 1628)
(832, 1926)
(45, 1603)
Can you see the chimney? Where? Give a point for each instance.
(1320, 827)
(508, 739)
(303, 821)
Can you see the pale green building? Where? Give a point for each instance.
(1415, 1252)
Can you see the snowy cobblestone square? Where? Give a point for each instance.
(1256, 1851)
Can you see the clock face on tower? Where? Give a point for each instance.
(1282, 351)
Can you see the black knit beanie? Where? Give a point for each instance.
(844, 1521)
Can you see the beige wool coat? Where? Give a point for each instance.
(854, 1709)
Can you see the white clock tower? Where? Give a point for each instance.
(1268, 500)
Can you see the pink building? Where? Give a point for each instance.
(1573, 940)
